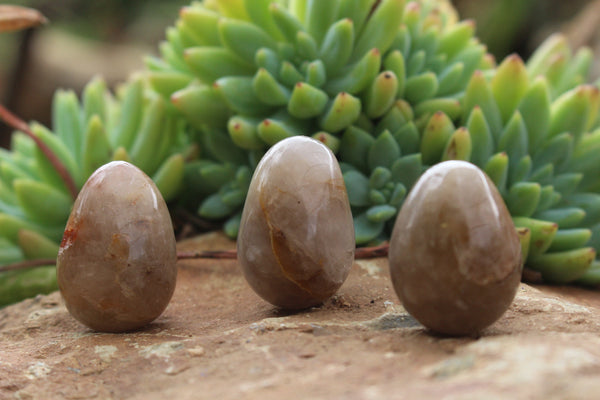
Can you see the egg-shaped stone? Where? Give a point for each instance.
(296, 238)
(455, 257)
(116, 264)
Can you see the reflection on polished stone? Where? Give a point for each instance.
(296, 240)
(117, 260)
(455, 257)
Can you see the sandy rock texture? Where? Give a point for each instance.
(218, 340)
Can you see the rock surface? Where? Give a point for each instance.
(218, 340)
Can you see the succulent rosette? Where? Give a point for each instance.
(392, 88)
(362, 76)
(135, 125)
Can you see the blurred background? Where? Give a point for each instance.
(110, 38)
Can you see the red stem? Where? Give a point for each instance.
(360, 253)
(40, 262)
(220, 254)
(17, 123)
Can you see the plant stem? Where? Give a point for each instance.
(220, 254)
(361, 253)
(372, 252)
(17, 123)
(40, 262)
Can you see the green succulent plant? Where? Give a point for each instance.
(354, 74)
(35, 202)
(391, 87)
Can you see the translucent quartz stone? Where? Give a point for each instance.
(116, 264)
(455, 257)
(296, 238)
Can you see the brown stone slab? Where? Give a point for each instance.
(218, 340)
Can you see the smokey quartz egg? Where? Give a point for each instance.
(296, 238)
(116, 265)
(455, 257)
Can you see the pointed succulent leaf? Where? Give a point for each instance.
(521, 171)
(481, 137)
(497, 169)
(394, 62)
(316, 74)
(556, 151)
(306, 46)
(570, 239)
(384, 151)
(381, 94)
(456, 38)
(201, 105)
(522, 198)
(95, 100)
(380, 29)
(42, 202)
(244, 132)
(548, 198)
(67, 121)
(96, 149)
(239, 95)
(535, 110)
(564, 266)
(357, 186)
(438, 131)
(479, 93)
(449, 79)
(458, 146)
(415, 63)
(377, 197)
(214, 208)
(203, 23)
(576, 72)
(340, 113)
(449, 106)
(395, 118)
(306, 101)
(211, 63)
(337, 45)
(319, 16)
(509, 84)
(408, 138)
(287, 23)
(355, 78)
(268, 90)
(289, 75)
(565, 217)
(243, 38)
(407, 170)
(379, 177)
(590, 203)
(356, 11)
(258, 11)
(513, 140)
(542, 233)
(567, 183)
(570, 112)
(381, 213)
(354, 147)
(555, 46)
(272, 130)
(328, 140)
(421, 87)
(366, 230)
